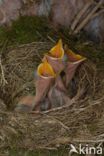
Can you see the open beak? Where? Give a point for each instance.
(44, 80)
(46, 77)
(73, 61)
(57, 52)
(55, 57)
(45, 70)
(58, 93)
(74, 58)
(50, 88)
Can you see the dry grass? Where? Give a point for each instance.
(19, 65)
(82, 121)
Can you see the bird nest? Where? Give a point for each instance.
(80, 122)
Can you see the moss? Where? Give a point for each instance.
(2, 34)
(91, 51)
(92, 128)
(30, 29)
(26, 30)
(23, 152)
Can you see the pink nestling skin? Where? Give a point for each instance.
(55, 57)
(25, 104)
(43, 86)
(57, 64)
(70, 71)
(73, 61)
(43, 83)
(58, 97)
(60, 84)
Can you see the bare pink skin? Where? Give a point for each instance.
(70, 71)
(56, 64)
(58, 94)
(25, 104)
(43, 86)
(40, 101)
(60, 84)
(29, 103)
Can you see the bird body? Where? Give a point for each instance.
(51, 85)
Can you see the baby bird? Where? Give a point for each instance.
(44, 81)
(51, 86)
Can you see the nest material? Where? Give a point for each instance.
(19, 68)
(82, 121)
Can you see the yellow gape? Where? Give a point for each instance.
(57, 51)
(45, 70)
(72, 57)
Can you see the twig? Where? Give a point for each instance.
(98, 13)
(88, 141)
(57, 120)
(51, 39)
(3, 80)
(86, 20)
(23, 87)
(38, 55)
(80, 14)
(53, 118)
(72, 101)
(47, 148)
(55, 109)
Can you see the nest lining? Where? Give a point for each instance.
(82, 121)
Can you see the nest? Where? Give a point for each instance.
(80, 122)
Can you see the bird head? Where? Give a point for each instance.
(45, 70)
(57, 52)
(73, 57)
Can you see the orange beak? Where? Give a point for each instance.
(57, 51)
(45, 70)
(74, 58)
(55, 57)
